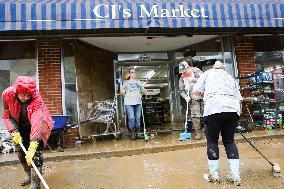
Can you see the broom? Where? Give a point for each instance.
(35, 168)
(146, 137)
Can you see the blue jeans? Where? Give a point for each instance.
(133, 115)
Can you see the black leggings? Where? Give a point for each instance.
(225, 123)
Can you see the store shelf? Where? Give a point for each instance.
(263, 109)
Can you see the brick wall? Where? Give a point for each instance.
(49, 69)
(70, 135)
(245, 57)
(246, 64)
(50, 85)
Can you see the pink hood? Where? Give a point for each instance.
(38, 113)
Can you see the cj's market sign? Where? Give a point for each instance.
(153, 11)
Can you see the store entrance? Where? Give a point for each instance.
(156, 101)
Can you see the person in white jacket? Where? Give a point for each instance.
(221, 114)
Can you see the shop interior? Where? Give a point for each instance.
(156, 59)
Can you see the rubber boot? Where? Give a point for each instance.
(35, 179)
(213, 172)
(27, 169)
(27, 179)
(132, 132)
(138, 134)
(235, 172)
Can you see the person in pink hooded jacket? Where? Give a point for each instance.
(28, 120)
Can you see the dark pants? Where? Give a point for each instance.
(225, 123)
(25, 131)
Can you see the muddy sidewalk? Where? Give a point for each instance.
(166, 170)
(124, 147)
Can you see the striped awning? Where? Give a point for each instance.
(16, 15)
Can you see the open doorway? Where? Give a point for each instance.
(156, 100)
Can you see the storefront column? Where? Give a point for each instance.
(49, 73)
(246, 64)
(50, 84)
(245, 57)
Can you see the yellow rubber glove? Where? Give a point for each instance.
(31, 151)
(16, 137)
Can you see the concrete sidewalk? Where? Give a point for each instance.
(125, 147)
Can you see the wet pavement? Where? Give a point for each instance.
(166, 170)
(109, 147)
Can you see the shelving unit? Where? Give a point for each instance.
(264, 109)
(279, 96)
(153, 111)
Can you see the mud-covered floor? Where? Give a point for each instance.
(165, 170)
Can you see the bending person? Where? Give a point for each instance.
(28, 120)
(221, 114)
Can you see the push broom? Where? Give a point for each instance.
(276, 171)
(146, 137)
(185, 135)
(35, 168)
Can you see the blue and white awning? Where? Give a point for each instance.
(16, 15)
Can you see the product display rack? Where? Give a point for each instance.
(278, 80)
(153, 112)
(263, 101)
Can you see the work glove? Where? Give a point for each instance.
(140, 85)
(119, 81)
(31, 151)
(187, 99)
(16, 137)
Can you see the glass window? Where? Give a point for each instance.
(269, 57)
(268, 52)
(70, 82)
(16, 58)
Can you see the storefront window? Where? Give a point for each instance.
(70, 82)
(16, 58)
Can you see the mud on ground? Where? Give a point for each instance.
(165, 170)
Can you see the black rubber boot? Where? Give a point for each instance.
(35, 179)
(132, 132)
(27, 169)
(138, 134)
(27, 179)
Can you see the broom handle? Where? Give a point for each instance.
(35, 168)
(185, 123)
(255, 148)
(143, 117)
(249, 114)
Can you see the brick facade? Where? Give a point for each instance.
(49, 70)
(245, 57)
(244, 50)
(50, 85)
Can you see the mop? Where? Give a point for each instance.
(35, 168)
(276, 171)
(146, 137)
